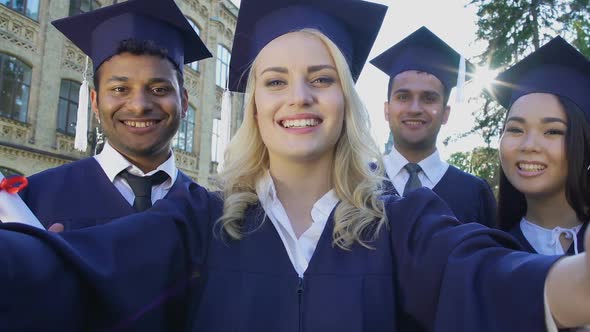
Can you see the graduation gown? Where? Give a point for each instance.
(79, 195)
(470, 198)
(426, 268)
(519, 236)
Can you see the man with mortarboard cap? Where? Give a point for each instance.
(423, 70)
(138, 49)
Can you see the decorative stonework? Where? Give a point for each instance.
(227, 17)
(27, 156)
(75, 59)
(191, 81)
(13, 131)
(229, 34)
(18, 30)
(65, 145)
(187, 162)
(197, 8)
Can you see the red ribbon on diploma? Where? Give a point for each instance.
(13, 184)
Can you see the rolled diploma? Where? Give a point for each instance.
(13, 209)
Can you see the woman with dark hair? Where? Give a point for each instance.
(544, 196)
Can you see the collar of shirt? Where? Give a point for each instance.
(300, 250)
(433, 169)
(112, 162)
(546, 241)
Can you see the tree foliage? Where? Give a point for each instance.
(481, 161)
(512, 30)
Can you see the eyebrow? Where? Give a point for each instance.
(427, 92)
(126, 79)
(310, 69)
(282, 70)
(313, 69)
(118, 79)
(159, 80)
(543, 120)
(551, 120)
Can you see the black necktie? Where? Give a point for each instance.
(142, 187)
(413, 181)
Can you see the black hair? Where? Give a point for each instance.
(446, 92)
(141, 47)
(512, 203)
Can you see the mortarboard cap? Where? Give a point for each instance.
(556, 68)
(351, 24)
(423, 51)
(99, 32)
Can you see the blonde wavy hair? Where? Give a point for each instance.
(359, 217)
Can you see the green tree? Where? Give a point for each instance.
(515, 28)
(481, 161)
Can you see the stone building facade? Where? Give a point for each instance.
(41, 71)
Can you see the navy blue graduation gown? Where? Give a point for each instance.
(519, 236)
(470, 198)
(79, 195)
(426, 269)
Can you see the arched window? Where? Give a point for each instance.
(30, 8)
(222, 66)
(67, 107)
(195, 64)
(15, 85)
(82, 6)
(186, 132)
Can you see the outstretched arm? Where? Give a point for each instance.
(568, 289)
(131, 273)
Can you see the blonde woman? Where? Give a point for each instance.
(304, 241)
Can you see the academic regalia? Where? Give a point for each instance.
(79, 194)
(519, 236)
(556, 68)
(426, 267)
(424, 51)
(86, 195)
(470, 198)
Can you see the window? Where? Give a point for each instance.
(222, 66)
(15, 85)
(216, 152)
(30, 8)
(195, 64)
(185, 136)
(67, 109)
(82, 6)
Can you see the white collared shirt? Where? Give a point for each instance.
(300, 250)
(433, 169)
(112, 163)
(546, 241)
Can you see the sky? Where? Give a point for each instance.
(452, 21)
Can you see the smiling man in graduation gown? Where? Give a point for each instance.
(138, 49)
(422, 70)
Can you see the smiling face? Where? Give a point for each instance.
(139, 104)
(415, 113)
(532, 147)
(298, 99)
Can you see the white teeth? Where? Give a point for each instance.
(300, 123)
(413, 123)
(139, 124)
(531, 167)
